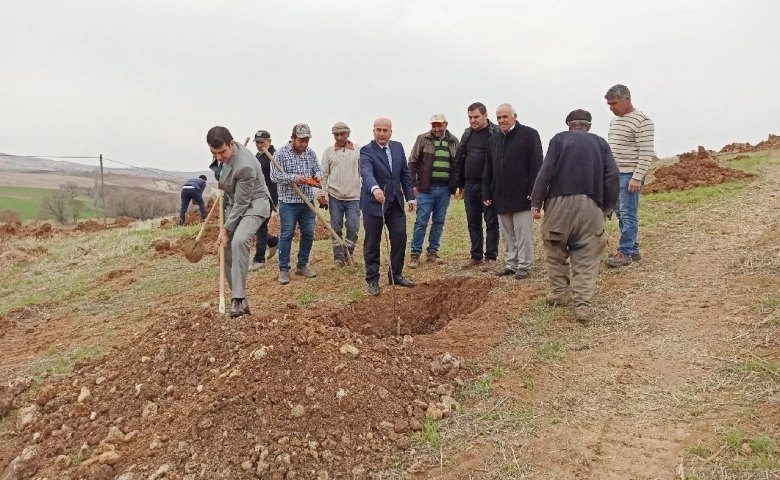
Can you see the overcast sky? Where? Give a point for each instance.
(143, 81)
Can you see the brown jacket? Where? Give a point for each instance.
(422, 157)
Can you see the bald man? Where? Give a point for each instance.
(386, 184)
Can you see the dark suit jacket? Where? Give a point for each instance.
(375, 172)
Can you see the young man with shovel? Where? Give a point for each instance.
(240, 176)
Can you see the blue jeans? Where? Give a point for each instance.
(430, 204)
(289, 215)
(339, 209)
(626, 211)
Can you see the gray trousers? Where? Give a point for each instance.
(517, 231)
(237, 254)
(573, 229)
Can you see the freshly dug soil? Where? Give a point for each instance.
(19, 230)
(773, 141)
(695, 169)
(89, 226)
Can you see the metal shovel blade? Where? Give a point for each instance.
(193, 251)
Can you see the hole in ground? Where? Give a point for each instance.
(423, 309)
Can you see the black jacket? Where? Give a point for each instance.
(513, 162)
(198, 183)
(458, 172)
(578, 163)
(265, 165)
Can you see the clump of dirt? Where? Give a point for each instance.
(773, 141)
(695, 169)
(10, 392)
(425, 309)
(164, 246)
(122, 222)
(199, 397)
(89, 226)
(19, 230)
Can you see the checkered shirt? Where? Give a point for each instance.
(305, 165)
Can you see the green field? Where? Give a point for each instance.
(28, 201)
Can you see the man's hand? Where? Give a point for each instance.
(537, 213)
(300, 179)
(379, 195)
(223, 238)
(318, 179)
(416, 192)
(488, 203)
(461, 193)
(634, 185)
(411, 206)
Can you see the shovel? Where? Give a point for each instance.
(193, 249)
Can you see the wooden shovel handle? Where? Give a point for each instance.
(206, 221)
(221, 258)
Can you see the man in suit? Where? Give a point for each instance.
(386, 182)
(241, 178)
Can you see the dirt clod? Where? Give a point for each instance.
(695, 169)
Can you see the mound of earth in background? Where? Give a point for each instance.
(20, 230)
(123, 221)
(89, 226)
(695, 169)
(199, 397)
(773, 141)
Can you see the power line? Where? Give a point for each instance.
(156, 172)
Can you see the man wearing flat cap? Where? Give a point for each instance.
(430, 164)
(302, 168)
(341, 189)
(578, 186)
(262, 239)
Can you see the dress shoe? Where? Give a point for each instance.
(239, 307)
(505, 272)
(401, 281)
(521, 274)
(473, 263)
(373, 288)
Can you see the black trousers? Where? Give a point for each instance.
(395, 219)
(188, 195)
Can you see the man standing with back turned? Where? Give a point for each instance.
(467, 169)
(241, 178)
(631, 137)
(386, 181)
(578, 186)
(430, 164)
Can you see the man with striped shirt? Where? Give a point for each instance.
(631, 138)
(430, 163)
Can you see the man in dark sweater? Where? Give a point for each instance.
(467, 169)
(578, 185)
(262, 239)
(192, 191)
(514, 157)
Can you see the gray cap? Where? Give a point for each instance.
(579, 114)
(301, 131)
(340, 127)
(262, 136)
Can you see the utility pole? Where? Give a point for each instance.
(102, 191)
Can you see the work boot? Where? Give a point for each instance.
(432, 256)
(239, 307)
(635, 257)
(521, 274)
(617, 259)
(414, 262)
(256, 266)
(558, 299)
(473, 263)
(488, 265)
(583, 313)
(505, 272)
(305, 272)
(339, 262)
(284, 277)
(271, 252)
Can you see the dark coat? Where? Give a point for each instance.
(422, 158)
(513, 162)
(265, 164)
(198, 183)
(375, 172)
(458, 174)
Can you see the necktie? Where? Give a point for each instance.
(389, 164)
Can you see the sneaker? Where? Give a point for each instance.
(432, 256)
(617, 259)
(271, 252)
(473, 263)
(256, 266)
(504, 272)
(305, 272)
(521, 274)
(583, 313)
(488, 266)
(339, 262)
(558, 299)
(414, 262)
(284, 277)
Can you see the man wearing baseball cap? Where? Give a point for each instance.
(578, 186)
(430, 164)
(341, 189)
(262, 239)
(299, 163)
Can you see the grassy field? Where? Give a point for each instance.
(27, 200)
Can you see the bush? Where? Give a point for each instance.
(10, 215)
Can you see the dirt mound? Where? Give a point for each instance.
(19, 230)
(695, 169)
(123, 221)
(199, 397)
(89, 226)
(773, 141)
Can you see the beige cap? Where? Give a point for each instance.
(340, 127)
(438, 118)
